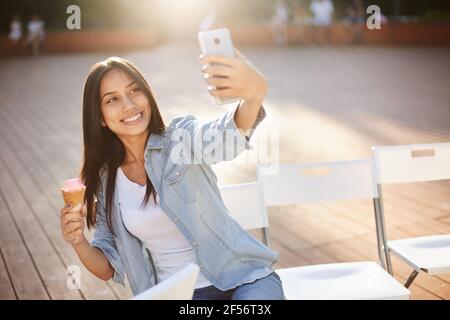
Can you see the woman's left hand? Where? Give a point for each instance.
(234, 77)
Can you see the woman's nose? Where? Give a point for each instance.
(128, 104)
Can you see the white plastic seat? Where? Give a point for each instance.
(341, 281)
(414, 163)
(430, 254)
(180, 286)
(306, 183)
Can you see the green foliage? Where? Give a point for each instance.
(436, 16)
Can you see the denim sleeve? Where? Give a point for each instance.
(214, 141)
(104, 239)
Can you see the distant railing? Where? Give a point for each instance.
(256, 34)
(411, 33)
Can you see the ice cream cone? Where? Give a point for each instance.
(73, 193)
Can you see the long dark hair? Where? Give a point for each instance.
(102, 147)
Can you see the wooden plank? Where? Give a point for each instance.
(397, 214)
(414, 211)
(7, 291)
(287, 257)
(25, 277)
(288, 236)
(434, 194)
(44, 256)
(315, 226)
(44, 219)
(92, 287)
(430, 201)
(445, 221)
(119, 291)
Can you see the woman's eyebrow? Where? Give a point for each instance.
(128, 85)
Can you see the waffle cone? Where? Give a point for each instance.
(74, 197)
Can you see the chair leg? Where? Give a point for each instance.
(383, 231)
(388, 261)
(381, 254)
(265, 236)
(411, 278)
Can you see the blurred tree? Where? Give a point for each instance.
(98, 14)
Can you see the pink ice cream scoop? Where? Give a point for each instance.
(73, 193)
(72, 185)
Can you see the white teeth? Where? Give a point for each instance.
(133, 118)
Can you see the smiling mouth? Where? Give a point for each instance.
(134, 119)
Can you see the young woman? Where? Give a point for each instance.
(156, 212)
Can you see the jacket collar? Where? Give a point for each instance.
(156, 141)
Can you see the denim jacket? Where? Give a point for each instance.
(226, 254)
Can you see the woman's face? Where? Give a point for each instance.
(125, 108)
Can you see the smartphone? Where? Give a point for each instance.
(218, 43)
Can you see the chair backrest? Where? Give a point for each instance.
(299, 183)
(180, 286)
(245, 203)
(412, 163)
(295, 183)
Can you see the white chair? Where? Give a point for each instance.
(298, 183)
(414, 163)
(180, 286)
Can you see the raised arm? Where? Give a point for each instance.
(236, 77)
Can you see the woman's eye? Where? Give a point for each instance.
(134, 90)
(113, 99)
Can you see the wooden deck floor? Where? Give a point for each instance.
(327, 103)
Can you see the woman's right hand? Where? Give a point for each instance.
(72, 224)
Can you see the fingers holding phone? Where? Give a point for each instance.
(218, 57)
(238, 78)
(229, 74)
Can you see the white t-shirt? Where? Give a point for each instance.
(322, 11)
(16, 30)
(36, 28)
(170, 250)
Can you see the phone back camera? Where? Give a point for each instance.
(216, 40)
